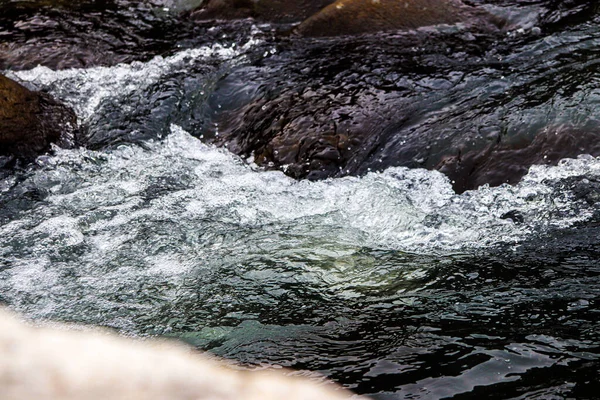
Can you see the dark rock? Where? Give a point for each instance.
(31, 121)
(73, 34)
(281, 11)
(475, 105)
(224, 9)
(348, 17)
(508, 162)
(561, 14)
(351, 105)
(513, 215)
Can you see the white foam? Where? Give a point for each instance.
(401, 209)
(86, 89)
(122, 230)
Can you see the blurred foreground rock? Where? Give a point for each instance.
(31, 121)
(56, 364)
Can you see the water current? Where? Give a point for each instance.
(389, 283)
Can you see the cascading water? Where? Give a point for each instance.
(389, 283)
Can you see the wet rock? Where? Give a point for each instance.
(352, 105)
(347, 17)
(513, 215)
(53, 364)
(224, 9)
(508, 162)
(31, 121)
(281, 11)
(560, 14)
(64, 34)
(478, 105)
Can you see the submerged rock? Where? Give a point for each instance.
(347, 17)
(31, 121)
(57, 364)
(281, 11)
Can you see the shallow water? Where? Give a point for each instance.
(389, 283)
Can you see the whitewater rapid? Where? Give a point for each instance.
(109, 230)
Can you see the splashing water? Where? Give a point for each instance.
(389, 283)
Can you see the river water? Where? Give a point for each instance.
(389, 283)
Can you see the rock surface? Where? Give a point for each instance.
(57, 364)
(31, 121)
(509, 162)
(348, 17)
(281, 11)
(62, 34)
(469, 103)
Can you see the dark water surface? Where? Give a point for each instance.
(389, 283)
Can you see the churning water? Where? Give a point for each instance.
(389, 283)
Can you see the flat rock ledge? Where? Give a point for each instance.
(60, 364)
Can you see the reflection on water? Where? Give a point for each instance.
(389, 283)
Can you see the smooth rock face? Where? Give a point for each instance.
(281, 11)
(351, 105)
(56, 364)
(31, 121)
(349, 17)
(509, 162)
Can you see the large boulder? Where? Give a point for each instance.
(471, 103)
(60, 364)
(348, 17)
(30, 121)
(351, 105)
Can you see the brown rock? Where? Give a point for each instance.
(348, 17)
(57, 364)
(265, 10)
(31, 121)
